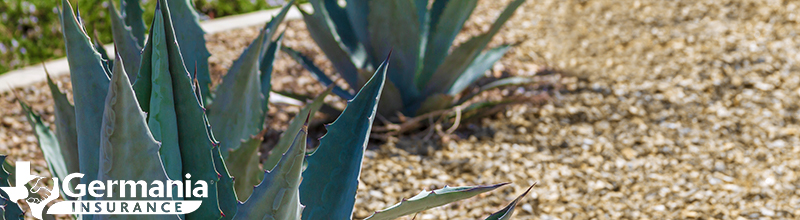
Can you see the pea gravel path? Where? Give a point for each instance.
(681, 109)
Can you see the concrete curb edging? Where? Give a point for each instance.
(29, 75)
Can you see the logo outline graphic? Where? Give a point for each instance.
(23, 176)
(20, 190)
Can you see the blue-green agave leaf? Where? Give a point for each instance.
(390, 92)
(126, 141)
(422, 10)
(330, 181)
(161, 118)
(394, 24)
(124, 42)
(443, 30)
(132, 13)
(66, 131)
(194, 136)
(108, 64)
(9, 209)
(339, 19)
(430, 199)
(272, 25)
(435, 102)
(228, 201)
(226, 195)
(482, 63)
(270, 52)
(190, 37)
(90, 85)
(266, 70)
(47, 142)
(320, 31)
(389, 109)
(143, 85)
(285, 141)
(245, 160)
(463, 56)
(317, 73)
(237, 111)
(506, 213)
(357, 14)
(437, 8)
(277, 196)
(424, 26)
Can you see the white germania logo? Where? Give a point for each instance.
(166, 197)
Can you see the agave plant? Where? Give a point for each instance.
(424, 77)
(157, 128)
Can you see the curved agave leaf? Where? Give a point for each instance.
(124, 42)
(437, 8)
(228, 202)
(329, 183)
(482, 63)
(103, 53)
(189, 36)
(394, 24)
(390, 92)
(90, 85)
(48, 143)
(390, 109)
(226, 195)
(425, 28)
(320, 31)
(277, 196)
(132, 13)
(270, 52)
(143, 85)
(464, 55)
(245, 161)
(161, 117)
(126, 141)
(195, 141)
(272, 25)
(447, 20)
(338, 18)
(422, 10)
(237, 112)
(317, 73)
(429, 199)
(266, 70)
(357, 14)
(10, 210)
(435, 102)
(506, 213)
(66, 132)
(285, 141)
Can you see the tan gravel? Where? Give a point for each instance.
(683, 109)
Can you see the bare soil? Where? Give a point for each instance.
(680, 109)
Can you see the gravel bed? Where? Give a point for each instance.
(681, 109)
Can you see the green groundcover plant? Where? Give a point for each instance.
(26, 26)
(160, 126)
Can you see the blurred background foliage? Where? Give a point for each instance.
(30, 31)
